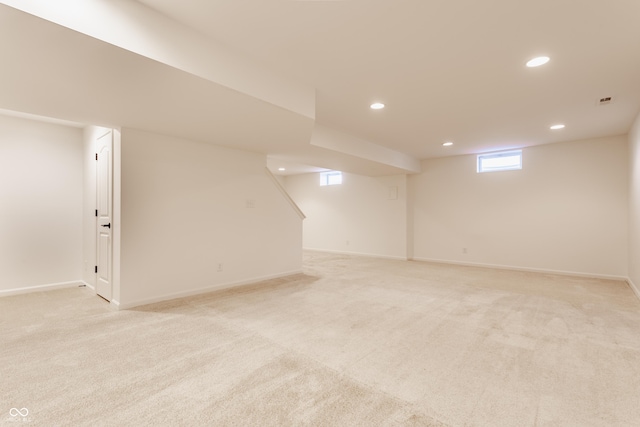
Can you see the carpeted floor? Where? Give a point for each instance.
(352, 342)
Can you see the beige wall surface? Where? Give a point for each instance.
(566, 210)
(40, 204)
(634, 205)
(188, 207)
(364, 215)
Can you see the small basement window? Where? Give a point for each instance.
(504, 161)
(330, 178)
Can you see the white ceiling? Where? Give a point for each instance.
(448, 70)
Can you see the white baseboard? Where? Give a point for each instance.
(356, 254)
(528, 269)
(40, 288)
(633, 287)
(218, 287)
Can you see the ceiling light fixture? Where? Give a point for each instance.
(536, 62)
(556, 127)
(281, 169)
(447, 144)
(377, 106)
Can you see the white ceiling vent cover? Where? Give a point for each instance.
(605, 100)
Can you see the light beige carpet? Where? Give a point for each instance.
(352, 342)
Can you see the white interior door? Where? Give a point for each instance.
(104, 212)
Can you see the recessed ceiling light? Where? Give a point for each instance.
(377, 106)
(281, 169)
(447, 144)
(536, 62)
(556, 127)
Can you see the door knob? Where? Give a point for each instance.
(107, 225)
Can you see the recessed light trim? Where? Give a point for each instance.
(447, 144)
(281, 169)
(538, 61)
(377, 106)
(556, 127)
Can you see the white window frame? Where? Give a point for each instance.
(488, 156)
(330, 178)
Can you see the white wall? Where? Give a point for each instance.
(566, 210)
(40, 204)
(184, 211)
(358, 212)
(634, 205)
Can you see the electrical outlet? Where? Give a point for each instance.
(464, 250)
(219, 267)
(347, 243)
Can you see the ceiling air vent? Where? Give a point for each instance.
(605, 101)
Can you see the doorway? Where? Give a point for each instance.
(104, 214)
